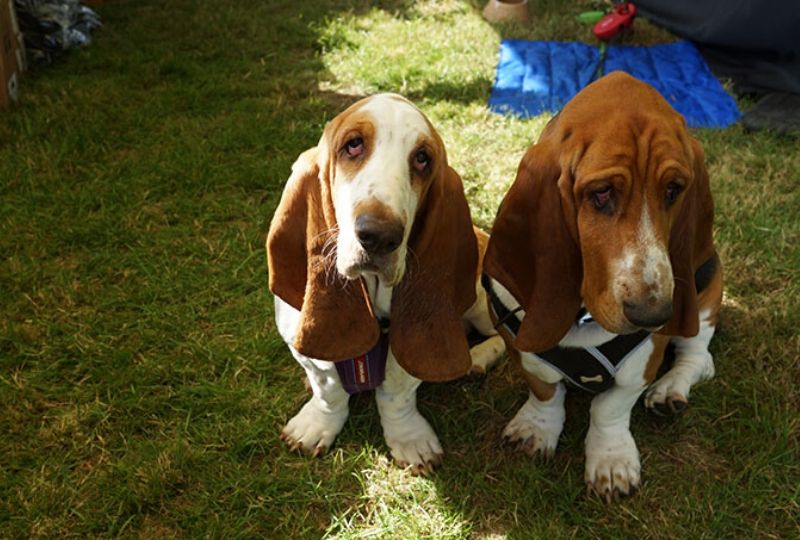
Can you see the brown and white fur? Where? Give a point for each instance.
(610, 210)
(374, 223)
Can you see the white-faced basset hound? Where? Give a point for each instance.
(374, 264)
(601, 255)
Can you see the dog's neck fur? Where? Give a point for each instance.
(380, 295)
(589, 335)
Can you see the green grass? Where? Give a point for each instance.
(143, 384)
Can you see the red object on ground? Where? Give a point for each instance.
(616, 21)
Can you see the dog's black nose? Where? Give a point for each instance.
(378, 236)
(647, 316)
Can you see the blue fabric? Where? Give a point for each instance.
(542, 76)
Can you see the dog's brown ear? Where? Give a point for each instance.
(690, 245)
(532, 252)
(427, 335)
(336, 319)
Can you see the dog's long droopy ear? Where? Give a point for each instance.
(690, 245)
(427, 335)
(532, 253)
(336, 321)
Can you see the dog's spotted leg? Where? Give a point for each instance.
(313, 429)
(693, 364)
(410, 438)
(612, 459)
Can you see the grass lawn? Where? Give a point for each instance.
(143, 384)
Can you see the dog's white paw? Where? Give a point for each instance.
(486, 354)
(413, 443)
(669, 395)
(312, 430)
(612, 464)
(537, 426)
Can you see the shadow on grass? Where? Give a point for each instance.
(475, 91)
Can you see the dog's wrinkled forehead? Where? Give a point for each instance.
(620, 121)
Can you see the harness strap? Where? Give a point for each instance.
(505, 316)
(594, 368)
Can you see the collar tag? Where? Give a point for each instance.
(366, 372)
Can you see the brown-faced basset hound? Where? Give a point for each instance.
(601, 255)
(374, 264)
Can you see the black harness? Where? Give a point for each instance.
(591, 368)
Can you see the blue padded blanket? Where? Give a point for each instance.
(542, 76)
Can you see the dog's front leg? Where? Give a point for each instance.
(313, 429)
(487, 353)
(539, 422)
(409, 436)
(612, 459)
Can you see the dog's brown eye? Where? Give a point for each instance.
(673, 190)
(421, 160)
(601, 199)
(354, 147)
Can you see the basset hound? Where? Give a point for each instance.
(600, 256)
(374, 265)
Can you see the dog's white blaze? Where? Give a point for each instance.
(647, 260)
(342, 199)
(348, 249)
(656, 260)
(385, 177)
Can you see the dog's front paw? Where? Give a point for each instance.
(413, 443)
(612, 465)
(313, 430)
(536, 428)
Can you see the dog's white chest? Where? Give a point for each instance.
(380, 295)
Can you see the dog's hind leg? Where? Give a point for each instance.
(486, 354)
(693, 362)
(489, 351)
